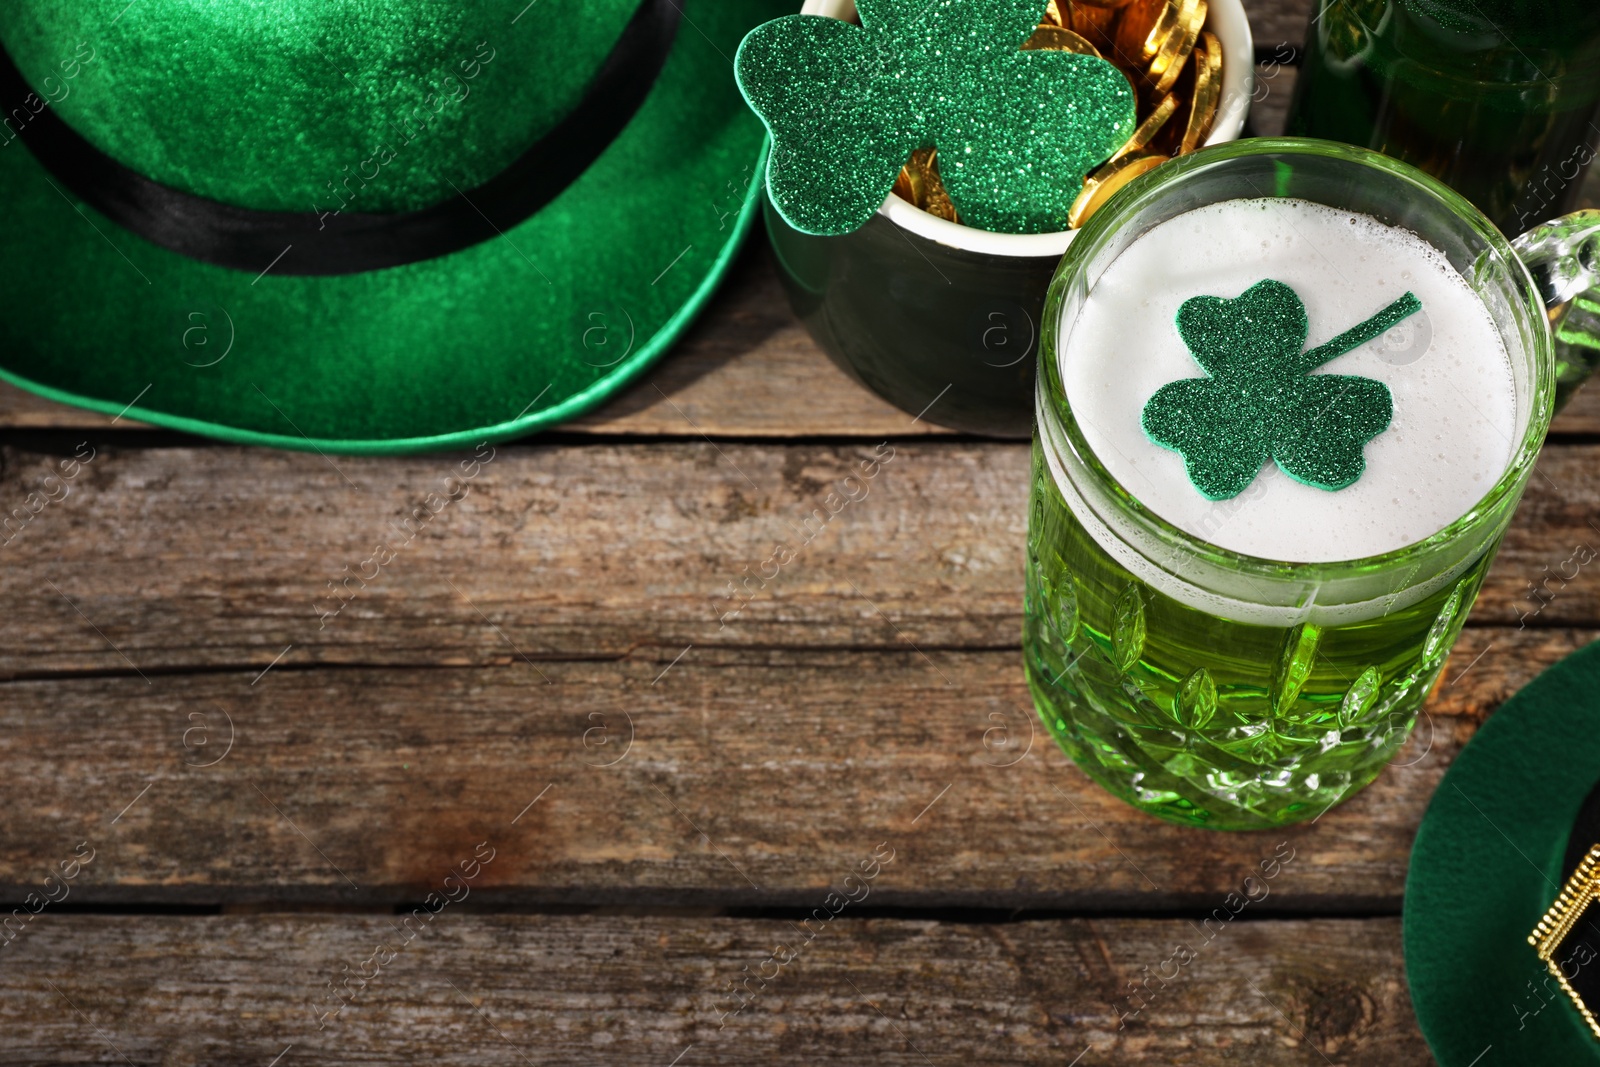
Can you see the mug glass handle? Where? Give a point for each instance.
(1563, 256)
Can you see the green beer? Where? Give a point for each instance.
(1205, 720)
(1247, 661)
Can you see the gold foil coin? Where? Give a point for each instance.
(1061, 40)
(1175, 50)
(1207, 92)
(1093, 23)
(905, 186)
(1104, 183)
(935, 201)
(1151, 126)
(1142, 28)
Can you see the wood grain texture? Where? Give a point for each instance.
(748, 368)
(213, 557)
(160, 560)
(522, 991)
(1274, 88)
(1275, 22)
(548, 665)
(730, 777)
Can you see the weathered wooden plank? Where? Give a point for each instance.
(170, 559)
(226, 556)
(528, 990)
(1544, 574)
(1274, 22)
(750, 369)
(1269, 106)
(719, 778)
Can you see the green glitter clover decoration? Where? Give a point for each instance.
(1261, 401)
(1016, 130)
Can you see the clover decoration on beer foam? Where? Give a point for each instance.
(1261, 402)
(1016, 130)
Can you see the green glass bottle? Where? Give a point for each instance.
(1496, 98)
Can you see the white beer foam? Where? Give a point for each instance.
(1446, 367)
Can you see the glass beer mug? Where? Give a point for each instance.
(1221, 689)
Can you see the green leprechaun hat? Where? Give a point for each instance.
(1502, 907)
(364, 227)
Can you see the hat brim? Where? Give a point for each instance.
(501, 339)
(1485, 867)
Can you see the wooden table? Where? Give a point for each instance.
(622, 804)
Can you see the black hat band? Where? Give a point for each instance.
(323, 243)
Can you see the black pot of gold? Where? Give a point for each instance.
(931, 296)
